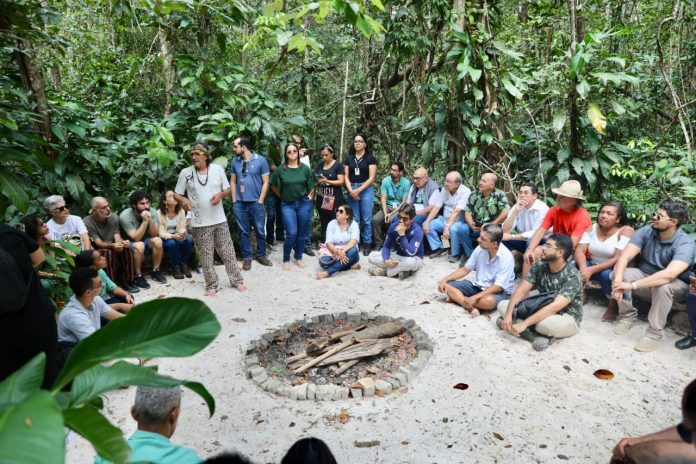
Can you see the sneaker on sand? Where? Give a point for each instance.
(647, 344)
(246, 266)
(463, 259)
(176, 272)
(187, 272)
(158, 276)
(264, 261)
(623, 326)
(436, 253)
(540, 343)
(141, 282)
(130, 287)
(453, 259)
(377, 271)
(308, 251)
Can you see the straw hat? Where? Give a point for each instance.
(570, 189)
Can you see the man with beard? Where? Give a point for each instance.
(662, 276)
(205, 185)
(393, 194)
(140, 223)
(558, 319)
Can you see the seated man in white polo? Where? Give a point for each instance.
(494, 267)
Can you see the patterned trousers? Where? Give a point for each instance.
(208, 240)
(119, 264)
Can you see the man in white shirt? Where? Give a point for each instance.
(524, 218)
(493, 264)
(453, 198)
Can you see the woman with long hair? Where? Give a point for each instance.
(294, 183)
(360, 171)
(600, 248)
(330, 180)
(340, 252)
(175, 238)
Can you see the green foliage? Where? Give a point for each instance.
(32, 420)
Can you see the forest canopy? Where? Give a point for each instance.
(103, 97)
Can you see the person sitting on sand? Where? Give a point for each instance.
(559, 319)
(340, 252)
(407, 236)
(674, 444)
(113, 295)
(495, 275)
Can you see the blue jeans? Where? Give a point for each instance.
(691, 310)
(244, 213)
(519, 245)
(333, 266)
(464, 236)
(310, 229)
(178, 251)
(362, 211)
(274, 219)
(295, 217)
(603, 277)
(437, 226)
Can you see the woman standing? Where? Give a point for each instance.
(360, 171)
(340, 252)
(330, 180)
(294, 183)
(600, 248)
(172, 231)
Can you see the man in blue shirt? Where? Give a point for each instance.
(249, 180)
(407, 236)
(393, 194)
(156, 410)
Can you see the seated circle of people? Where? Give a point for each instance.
(113, 295)
(81, 315)
(599, 250)
(406, 235)
(206, 186)
(486, 205)
(174, 234)
(566, 217)
(452, 200)
(340, 251)
(495, 276)
(666, 253)
(105, 233)
(524, 218)
(393, 193)
(249, 177)
(157, 410)
(140, 223)
(63, 225)
(422, 195)
(673, 445)
(556, 312)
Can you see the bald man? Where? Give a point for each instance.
(486, 206)
(452, 199)
(422, 195)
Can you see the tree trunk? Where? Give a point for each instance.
(572, 97)
(168, 69)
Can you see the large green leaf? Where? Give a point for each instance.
(175, 327)
(101, 379)
(32, 431)
(24, 381)
(106, 439)
(13, 191)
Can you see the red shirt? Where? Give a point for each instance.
(573, 224)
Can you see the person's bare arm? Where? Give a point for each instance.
(669, 435)
(456, 275)
(37, 257)
(501, 217)
(518, 295)
(112, 314)
(383, 202)
(510, 220)
(86, 243)
(233, 191)
(264, 188)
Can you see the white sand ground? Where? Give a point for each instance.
(546, 406)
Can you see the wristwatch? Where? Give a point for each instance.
(634, 286)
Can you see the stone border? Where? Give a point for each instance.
(309, 391)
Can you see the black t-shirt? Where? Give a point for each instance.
(25, 333)
(332, 173)
(359, 169)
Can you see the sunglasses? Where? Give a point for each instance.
(417, 178)
(245, 168)
(60, 208)
(341, 211)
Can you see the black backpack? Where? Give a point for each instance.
(14, 288)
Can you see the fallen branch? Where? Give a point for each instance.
(329, 353)
(365, 349)
(385, 330)
(345, 367)
(342, 333)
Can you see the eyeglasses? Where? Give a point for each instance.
(60, 208)
(99, 285)
(196, 154)
(417, 178)
(404, 218)
(658, 217)
(245, 168)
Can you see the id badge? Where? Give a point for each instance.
(242, 189)
(357, 171)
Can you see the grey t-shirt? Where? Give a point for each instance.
(130, 221)
(656, 254)
(104, 232)
(76, 323)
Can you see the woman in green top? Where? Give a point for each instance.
(113, 295)
(294, 183)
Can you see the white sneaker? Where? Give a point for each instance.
(647, 344)
(623, 326)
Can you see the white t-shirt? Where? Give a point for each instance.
(72, 225)
(603, 251)
(528, 220)
(200, 189)
(451, 202)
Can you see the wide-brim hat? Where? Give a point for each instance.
(570, 189)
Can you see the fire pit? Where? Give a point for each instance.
(339, 356)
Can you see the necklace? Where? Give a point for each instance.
(203, 184)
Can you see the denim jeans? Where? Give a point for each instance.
(362, 211)
(310, 229)
(437, 226)
(295, 217)
(465, 235)
(519, 245)
(179, 251)
(244, 213)
(333, 266)
(691, 310)
(274, 219)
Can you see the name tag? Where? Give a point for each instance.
(242, 189)
(357, 171)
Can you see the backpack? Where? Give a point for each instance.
(14, 288)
